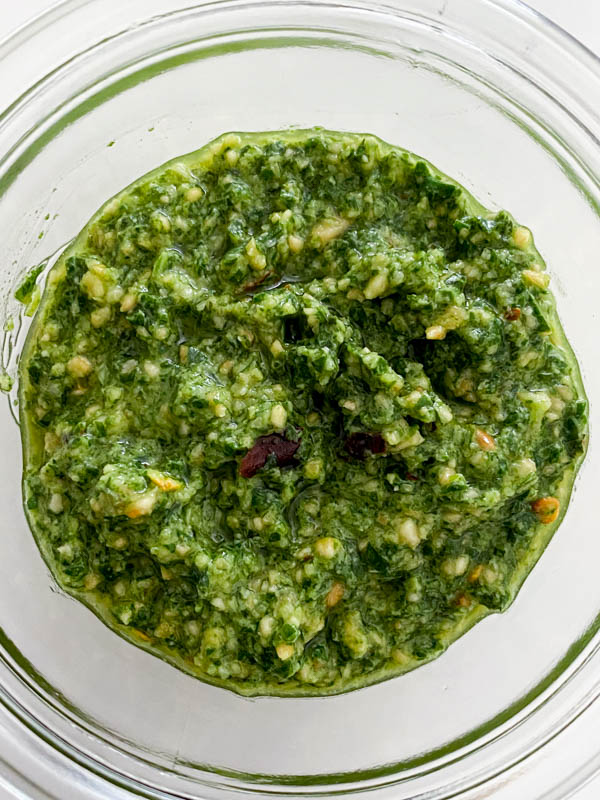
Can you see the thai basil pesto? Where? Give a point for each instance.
(298, 411)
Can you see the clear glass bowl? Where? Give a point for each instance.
(98, 93)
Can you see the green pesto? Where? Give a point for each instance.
(319, 286)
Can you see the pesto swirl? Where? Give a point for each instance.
(297, 412)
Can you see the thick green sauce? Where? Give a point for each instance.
(341, 297)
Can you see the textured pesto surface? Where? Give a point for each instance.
(317, 288)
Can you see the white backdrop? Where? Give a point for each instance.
(581, 18)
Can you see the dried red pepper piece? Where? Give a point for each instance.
(248, 288)
(275, 444)
(357, 444)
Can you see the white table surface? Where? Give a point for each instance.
(581, 18)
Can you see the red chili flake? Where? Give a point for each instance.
(512, 315)
(275, 444)
(410, 477)
(462, 601)
(357, 444)
(250, 287)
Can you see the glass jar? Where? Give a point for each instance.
(100, 91)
